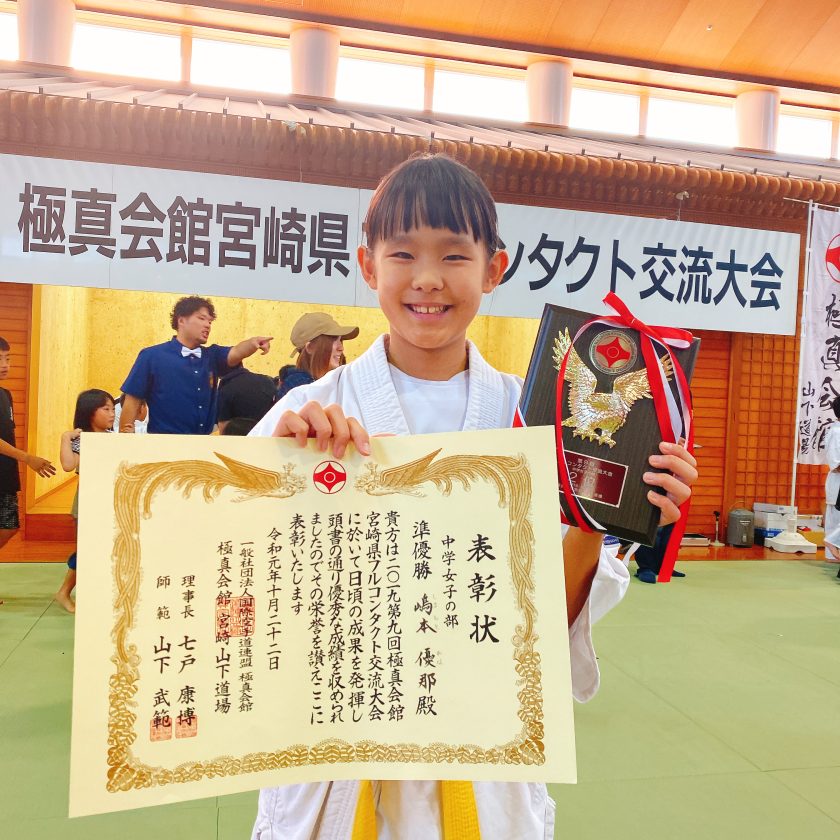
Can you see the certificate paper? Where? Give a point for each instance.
(251, 613)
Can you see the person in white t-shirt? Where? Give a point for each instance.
(141, 424)
(432, 251)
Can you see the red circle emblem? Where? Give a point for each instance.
(329, 477)
(832, 259)
(612, 352)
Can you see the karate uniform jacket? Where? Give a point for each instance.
(832, 484)
(411, 810)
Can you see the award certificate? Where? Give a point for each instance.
(252, 613)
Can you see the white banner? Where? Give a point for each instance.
(127, 227)
(821, 347)
(676, 273)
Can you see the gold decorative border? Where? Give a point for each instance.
(134, 489)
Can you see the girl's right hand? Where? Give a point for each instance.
(73, 435)
(327, 425)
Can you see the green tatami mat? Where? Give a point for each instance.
(718, 716)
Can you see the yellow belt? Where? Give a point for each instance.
(458, 809)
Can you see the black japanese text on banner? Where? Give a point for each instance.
(820, 382)
(676, 273)
(128, 227)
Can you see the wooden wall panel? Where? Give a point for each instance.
(760, 427)
(709, 392)
(762, 430)
(15, 316)
(744, 402)
(810, 488)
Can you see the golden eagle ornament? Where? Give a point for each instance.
(598, 415)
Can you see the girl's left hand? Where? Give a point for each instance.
(682, 473)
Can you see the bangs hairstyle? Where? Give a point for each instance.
(87, 404)
(435, 191)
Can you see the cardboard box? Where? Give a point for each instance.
(769, 517)
(762, 534)
(815, 537)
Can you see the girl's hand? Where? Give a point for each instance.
(327, 425)
(682, 473)
(74, 434)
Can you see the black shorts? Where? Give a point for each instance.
(9, 519)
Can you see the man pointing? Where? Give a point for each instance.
(178, 379)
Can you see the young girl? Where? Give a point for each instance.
(94, 413)
(432, 251)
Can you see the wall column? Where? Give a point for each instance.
(45, 31)
(549, 92)
(757, 115)
(314, 61)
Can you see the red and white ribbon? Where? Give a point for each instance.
(674, 416)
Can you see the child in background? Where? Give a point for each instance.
(432, 251)
(141, 424)
(94, 413)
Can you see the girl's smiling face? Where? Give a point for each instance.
(430, 282)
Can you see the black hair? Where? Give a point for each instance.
(87, 404)
(239, 426)
(437, 191)
(4, 345)
(835, 407)
(187, 306)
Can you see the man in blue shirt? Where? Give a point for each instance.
(178, 379)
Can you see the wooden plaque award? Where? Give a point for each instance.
(609, 419)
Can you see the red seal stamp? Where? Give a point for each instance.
(242, 615)
(329, 477)
(222, 618)
(186, 726)
(160, 728)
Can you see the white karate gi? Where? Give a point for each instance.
(832, 484)
(411, 810)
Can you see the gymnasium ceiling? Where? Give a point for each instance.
(790, 43)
